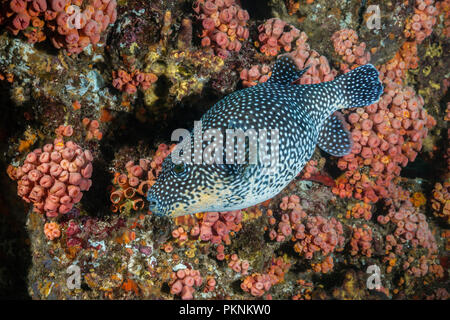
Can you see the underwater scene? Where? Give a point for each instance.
(224, 149)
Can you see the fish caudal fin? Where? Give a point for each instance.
(357, 88)
(361, 87)
(334, 138)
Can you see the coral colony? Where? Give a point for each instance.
(68, 24)
(92, 91)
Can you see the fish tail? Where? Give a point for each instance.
(360, 87)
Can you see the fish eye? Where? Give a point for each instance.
(179, 168)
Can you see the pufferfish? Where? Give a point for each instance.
(304, 118)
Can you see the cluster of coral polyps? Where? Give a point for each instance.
(53, 178)
(311, 234)
(238, 265)
(70, 24)
(209, 227)
(224, 25)
(345, 43)
(183, 282)
(310, 169)
(257, 284)
(360, 210)
(210, 284)
(422, 267)
(64, 131)
(288, 221)
(92, 129)
(444, 8)
(386, 136)
(217, 226)
(130, 188)
(256, 74)
(411, 226)
(440, 202)
(420, 25)
(319, 68)
(304, 291)
(275, 35)
(52, 230)
(361, 241)
(129, 82)
(410, 243)
(395, 69)
(354, 54)
(318, 234)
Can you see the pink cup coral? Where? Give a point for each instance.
(257, 284)
(238, 265)
(386, 136)
(53, 178)
(183, 282)
(319, 68)
(256, 74)
(273, 37)
(216, 226)
(70, 24)
(420, 25)
(361, 241)
(224, 25)
(345, 43)
(129, 82)
(411, 225)
(52, 230)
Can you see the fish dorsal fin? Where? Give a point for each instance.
(286, 71)
(334, 138)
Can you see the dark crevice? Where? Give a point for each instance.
(361, 12)
(258, 10)
(97, 199)
(15, 255)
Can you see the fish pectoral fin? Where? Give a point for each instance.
(334, 138)
(286, 71)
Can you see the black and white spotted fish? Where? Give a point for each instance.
(303, 116)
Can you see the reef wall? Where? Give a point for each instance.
(92, 89)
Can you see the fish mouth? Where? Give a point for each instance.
(156, 211)
(154, 206)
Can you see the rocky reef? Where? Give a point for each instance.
(91, 91)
